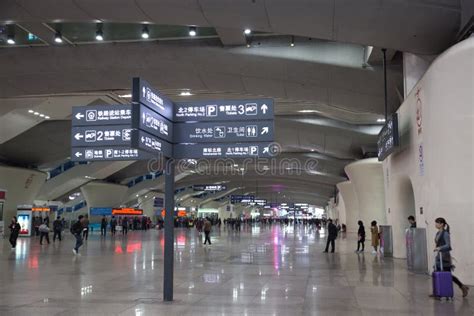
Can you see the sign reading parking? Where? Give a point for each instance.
(209, 187)
(144, 93)
(242, 150)
(101, 115)
(149, 121)
(224, 110)
(204, 132)
(109, 135)
(106, 153)
(150, 143)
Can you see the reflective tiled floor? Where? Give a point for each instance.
(259, 271)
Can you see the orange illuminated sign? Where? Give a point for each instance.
(40, 209)
(126, 211)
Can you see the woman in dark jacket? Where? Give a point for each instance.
(443, 245)
(360, 237)
(15, 230)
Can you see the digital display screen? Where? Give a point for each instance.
(389, 139)
(25, 223)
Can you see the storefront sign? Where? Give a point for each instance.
(127, 211)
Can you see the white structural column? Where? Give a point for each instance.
(102, 194)
(341, 209)
(367, 177)
(21, 186)
(351, 204)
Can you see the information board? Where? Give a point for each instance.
(232, 150)
(102, 115)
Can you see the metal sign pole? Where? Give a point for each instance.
(169, 231)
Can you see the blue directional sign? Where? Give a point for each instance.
(101, 115)
(151, 122)
(234, 150)
(213, 132)
(152, 144)
(108, 135)
(224, 110)
(144, 93)
(107, 153)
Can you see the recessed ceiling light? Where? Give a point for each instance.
(99, 35)
(312, 149)
(58, 38)
(36, 113)
(47, 117)
(192, 31)
(247, 31)
(129, 95)
(308, 111)
(145, 32)
(380, 120)
(41, 115)
(11, 39)
(185, 93)
(292, 44)
(236, 165)
(31, 111)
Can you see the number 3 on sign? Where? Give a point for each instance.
(241, 109)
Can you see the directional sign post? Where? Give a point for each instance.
(109, 135)
(151, 122)
(101, 115)
(144, 93)
(242, 150)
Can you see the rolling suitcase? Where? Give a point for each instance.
(442, 282)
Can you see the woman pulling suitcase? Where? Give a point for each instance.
(443, 246)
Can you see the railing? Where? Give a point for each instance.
(149, 176)
(64, 167)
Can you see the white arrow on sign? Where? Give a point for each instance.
(264, 130)
(265, 150)
(264, 108)
(78, 136)
(78, 154)
(143, 139)
(79, 115)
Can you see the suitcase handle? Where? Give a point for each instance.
(440, 260)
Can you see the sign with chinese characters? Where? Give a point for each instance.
(107, 153)
(144, 93)
(101, 115)
(209, 187)
(242, 199)
(151, 144)
(243, 150)
(108, 135)
(389, 139)
(214, 132)
(151, 122)
(224, 110)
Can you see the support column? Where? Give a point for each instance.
(169, 232)
(351, 204)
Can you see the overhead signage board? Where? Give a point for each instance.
(224, 110)
(239, 131)
(127, 211)
(144, 93)
(209, 187)
(107, 153)
(233, 150)
(242, 198)
(100, 211)
(149, 143)
(108, 135)
(388, 140)
(102, 115)
(151, 122)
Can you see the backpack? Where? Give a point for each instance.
(43, 228)
(76, 228)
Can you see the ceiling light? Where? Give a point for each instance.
(145, 32)
(47, 117)
(248, 45)
(380, 120)
(128, 95)
(36, 113)
(99, 35)
(312, 149)
(185, 93)
(11, 39)
(308, 111)
(41, 115)
(58, 38)
(292, 44)
(192, 31)
(31, 111)
(247, 31)
(236, 165)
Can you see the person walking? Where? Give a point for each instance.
(113, 226)
(332, 235)
(360, 237)
(125, 226)
(443, 246)
(44, 232)
(14, 232)
(76, 230)
(207, 231)
(103, 226)
(85, 223)
(374, 231)
(57, 228)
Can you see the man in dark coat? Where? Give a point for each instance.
(332, 235)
